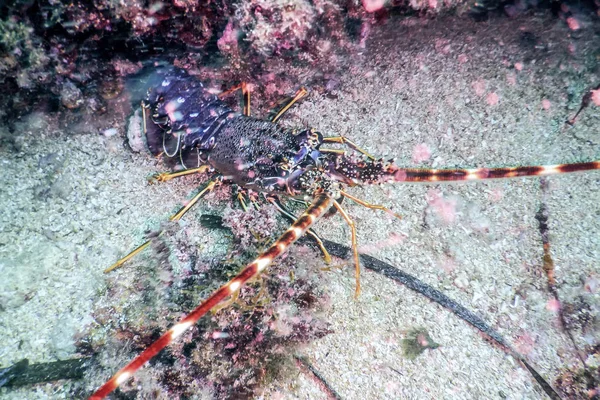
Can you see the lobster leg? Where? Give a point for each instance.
(176, 217)
(145, 108)
(242, 200)
(245, 96)
(369, 205)
(245, 198)
(295, 231)
(246, 99)
(352, 226)
(300, 94)
(167, 176)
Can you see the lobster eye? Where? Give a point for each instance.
(211, 141)
(317, 137)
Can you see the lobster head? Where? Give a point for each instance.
(316, 170)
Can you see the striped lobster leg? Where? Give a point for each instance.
(321, 204)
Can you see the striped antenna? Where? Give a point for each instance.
(475, 174)
(379, 171)
(296, 230)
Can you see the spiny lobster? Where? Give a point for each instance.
(182, 119)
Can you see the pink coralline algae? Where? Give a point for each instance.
(252, 226)
(492, 99)
(421, 152)
(596, 97)
(443, 207)
(228, 43)
(275, 25)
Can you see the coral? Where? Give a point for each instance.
(228, 43)
(62, 52)
(58, 54)
(20, 48)
(251, 227)
(578, 314)
(71, 95)
(22, 63)
(581, 384)
(276, 25)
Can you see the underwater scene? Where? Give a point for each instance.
(300, 199)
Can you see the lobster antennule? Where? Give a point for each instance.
(380, 171)
(321, 203)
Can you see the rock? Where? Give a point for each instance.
(135, 136)
(71, 96)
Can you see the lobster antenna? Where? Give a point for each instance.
(437, 175)
(383, 172)
(441, 175)
(179, 135)
(320, 204)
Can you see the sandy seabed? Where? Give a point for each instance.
(432, 93)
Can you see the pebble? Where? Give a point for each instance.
(110, 132)
(71, 96)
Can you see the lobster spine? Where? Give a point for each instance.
(296, 230)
